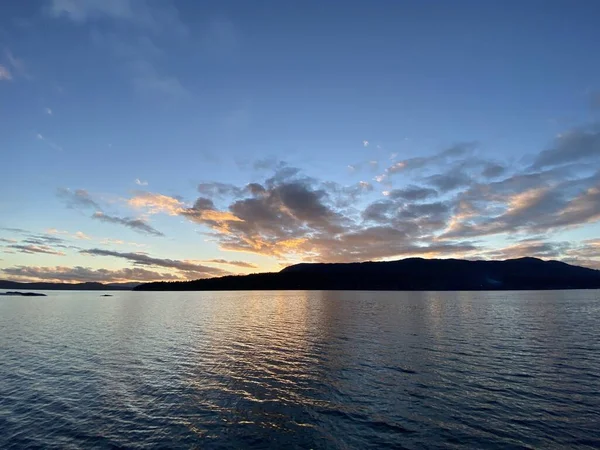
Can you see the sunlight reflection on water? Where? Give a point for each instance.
(301, 369)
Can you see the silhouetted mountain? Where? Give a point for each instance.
(413, 274)
(44, 286)
(23, 294)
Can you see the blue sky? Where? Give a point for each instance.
(146, 140)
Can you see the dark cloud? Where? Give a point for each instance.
(33, 249)
(574, 146)
(492, 170)
(378, 211)
(44, 239)
(15, 230)
(8, 241)
(233, 263)
(442, 157)
(539, 209)
(203, 203)
(450, 181)
(80, 274)
(190, 268)
(79, 198)
(135, 224)
(413, 193)
(256, 189)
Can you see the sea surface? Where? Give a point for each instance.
(300, 370)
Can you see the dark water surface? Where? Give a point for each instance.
(301, 370)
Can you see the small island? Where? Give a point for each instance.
(23, 294)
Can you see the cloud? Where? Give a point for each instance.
(444, 204)
(156, 203)
(79, 274)
(48, 111)
(137, 225)
(217, 189)
(32, 249)
(5, 73)
(528, 207)
(413, 193)
(581, 144)
(365, 185)
(365, 143)
(427, 162)
(8, 241)
(130, 30)
(13, 67)
(190, 268)
(44, 239)
(493, 170)
(450, 181)
(15, 230)
(233, 263)
(56, 231)
(82, 10)
(529, 247)
(79, 198)
(140, 182)
(82, 236)
(110, 241)
(155, 17)
(50, 144)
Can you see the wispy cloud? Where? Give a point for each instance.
(48, 111)
(82, 236)
(78, 198)
(11, 67)
(136, 49)
(243, 264)
(31, 249)
(140, 182)
(137, 225)
(365, 143)
(187, 267)
(48, 142)
(5, 73)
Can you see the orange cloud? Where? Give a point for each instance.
(156, 203)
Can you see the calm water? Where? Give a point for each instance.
(301, 370)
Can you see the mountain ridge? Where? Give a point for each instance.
(412, 274)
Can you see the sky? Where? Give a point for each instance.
(150, 140)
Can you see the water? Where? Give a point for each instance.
(300, 370)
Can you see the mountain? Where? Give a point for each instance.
(44, 286)
(412, 274)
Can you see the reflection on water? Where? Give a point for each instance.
(301, 369)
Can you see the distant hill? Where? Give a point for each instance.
(413, 274)
(14, 285)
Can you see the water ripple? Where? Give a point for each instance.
(301, 370)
